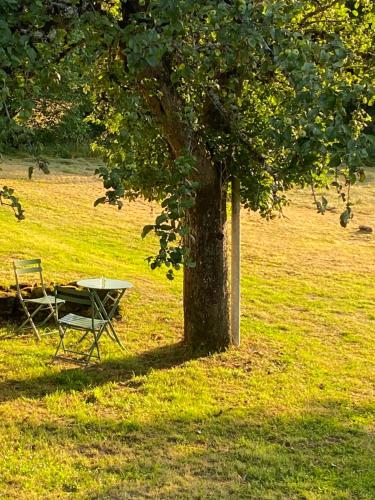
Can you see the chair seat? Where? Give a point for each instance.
(49, 299)
(81, 322)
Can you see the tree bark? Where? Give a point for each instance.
(206, 314)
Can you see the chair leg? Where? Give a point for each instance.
(97, 350)
(94, 346)
(53, 313)
(83, 337)
(97, 339)
(97, 346)
(91, 350)
(85, 356)
(30, 319)
(61, 343)
(47, 318)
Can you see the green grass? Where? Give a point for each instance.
(288, 415)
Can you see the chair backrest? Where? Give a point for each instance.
(82, 297)
(33, 266)
(70, 294)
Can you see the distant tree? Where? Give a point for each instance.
(42, 102)
(191, 93)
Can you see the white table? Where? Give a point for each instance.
(109, 286)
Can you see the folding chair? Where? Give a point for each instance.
(44, 303)
(86, 324)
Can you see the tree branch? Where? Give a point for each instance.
(317, 11)
(228, 121)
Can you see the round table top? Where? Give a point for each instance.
(104, 284)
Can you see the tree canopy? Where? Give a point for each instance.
(191, 93)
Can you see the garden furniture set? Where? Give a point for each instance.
(101, 296)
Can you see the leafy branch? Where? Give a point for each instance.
(7, 198)
(42, 164)
(170, 226)
(321, 9)
(343, 190)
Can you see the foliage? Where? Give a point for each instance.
(57, 126)
(42, 103)
(276, 93)
(279, 94)
(42, 165)
(169, 226)
(20, 61)
(8, 198)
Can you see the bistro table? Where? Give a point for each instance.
(114, 289)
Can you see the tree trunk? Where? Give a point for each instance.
(206, 315)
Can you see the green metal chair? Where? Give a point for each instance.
(44, 303)
(86, 324)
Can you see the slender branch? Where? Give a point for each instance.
(6, 110)
(229, 122)
(318, 10)
(330, 21)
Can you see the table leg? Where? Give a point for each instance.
(108, 316)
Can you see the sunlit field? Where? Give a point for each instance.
(290, 414)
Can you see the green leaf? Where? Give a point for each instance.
(100, 200)
(345, 217)
(170, 275)
(147, 229)
(161, 218)
(188, 203)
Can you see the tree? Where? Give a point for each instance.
(41, 98)
(192, 93)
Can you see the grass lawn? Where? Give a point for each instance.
(288, 415)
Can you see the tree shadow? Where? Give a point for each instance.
(235, 454)
(122, 370)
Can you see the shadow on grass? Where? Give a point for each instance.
(237, 454)
(77, 379)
